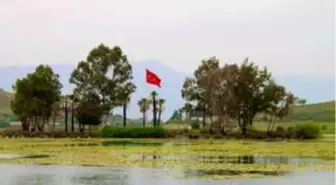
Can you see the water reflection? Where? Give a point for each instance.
(76, 175)
(245, 159)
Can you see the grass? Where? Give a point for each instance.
(327, 127)
(85, 152)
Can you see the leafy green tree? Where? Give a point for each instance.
(192, 91)
(235, 92)
(144, 105)
(106, 73)
(35, 96)
(218, 94)
(252, 93)
(89, 111)
(160, 108)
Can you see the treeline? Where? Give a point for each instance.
(236, 92)
(103, 81)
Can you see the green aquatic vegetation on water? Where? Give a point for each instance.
(91, 152)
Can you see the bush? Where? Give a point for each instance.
(176, 132)
(308, 131)
(133, 132)
(280, 129)
(195, 126)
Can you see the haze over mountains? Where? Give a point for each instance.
(314, 88)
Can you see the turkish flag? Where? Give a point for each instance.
(152, 78)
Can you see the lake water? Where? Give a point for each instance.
(79, 175)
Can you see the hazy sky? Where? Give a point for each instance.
(288, 36)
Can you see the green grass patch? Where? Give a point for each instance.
(133, 132)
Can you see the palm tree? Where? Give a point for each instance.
(125, 112)
(154, 94)
(160, 109)
(144, 105)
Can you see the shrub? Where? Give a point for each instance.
(280, 129)
(195, 125)
(307, 131)
(324, 128)
(176, 132)
(133, 132)
(290, 132)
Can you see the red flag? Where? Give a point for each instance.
(152, 78)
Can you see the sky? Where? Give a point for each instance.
(290, 37)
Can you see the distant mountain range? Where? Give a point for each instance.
(314, 88)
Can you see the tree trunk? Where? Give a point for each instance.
(40, 123)
(25, 124)
(159, 118)
(72, 118)
(244, 127)
(269, 125)
(124, 114)
(82, 128)
(204, 117)
(273, 125)
(66, 118)
(154, 111)
(144, 119)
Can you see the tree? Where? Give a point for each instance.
(160, 109)
(192, 91)
(218, 94)
(35, 97)
(301, 101)
(175, 116)
(154, 102)
(232, 92)
(283, 108)
(89, 111)
(249, 91)
(144, 105)
(106, 73)
(188, 107)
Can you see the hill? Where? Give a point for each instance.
(324, 111)
(5, 98)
